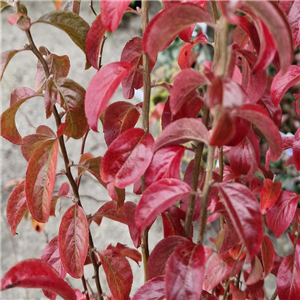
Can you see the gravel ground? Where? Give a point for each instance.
(21, 72)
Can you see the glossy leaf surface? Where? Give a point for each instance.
(127, 158)
(35, 273)
(162, 29)
(16, 207)
(73, 240)
(101, 88)
(288, 276)
(281, 214)
(269, 194)
(40, 180)
(182, 131)
(244, 212)
(72, 24)
(153, 289)
(185, 264)
(158, 197)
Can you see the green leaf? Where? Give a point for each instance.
(73, 25)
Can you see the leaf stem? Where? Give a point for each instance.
(145, 120)
(195, 179)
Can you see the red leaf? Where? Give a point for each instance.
(6, 56)
(133, 53)
(153, 289)
(267, 254)
(16, 207)
(288, 287)
(127, 252)
(8, 125)
(162, 29)
(73, 102)
(256, 272)
(118, 273)
(101, 88)
(283, 81)
(185, 84)
(127, 158)
(35, 273)
(182, 131)
(157, 198)
(160, 254)
(40, 180)
(244, 212)
(255, 115)
(118, 117)
(269, 194)
(185, 264)
(277, 23)
(293, 19)
(124, 215)
(94, 40)
(173, 219)
(73, 239)
(51, 256)
(112, 12)
(296, 149)
(281, 214)
(219, 269)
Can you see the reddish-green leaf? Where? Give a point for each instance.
(101, 89)
(118, 273)
(5, 59)
(269, 194)
(274, 18)
(281, 214)
(267, 254)
(182, 131)
(73, 240)
(244, 212)
(288, 287)
(73, 102)
(8, 125)
(40, 180)
(72, 24)
(185, 84)
(283, 81)
(185, 264)
(219, 268)
(118, 117)
(127, 158)
(153, 289)
(160, 254)
(164, 27)
(257, 116)
(157, 198)
(31, 142)
(112, 12)
(35, 273)
(16, 207)
(94, 40)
